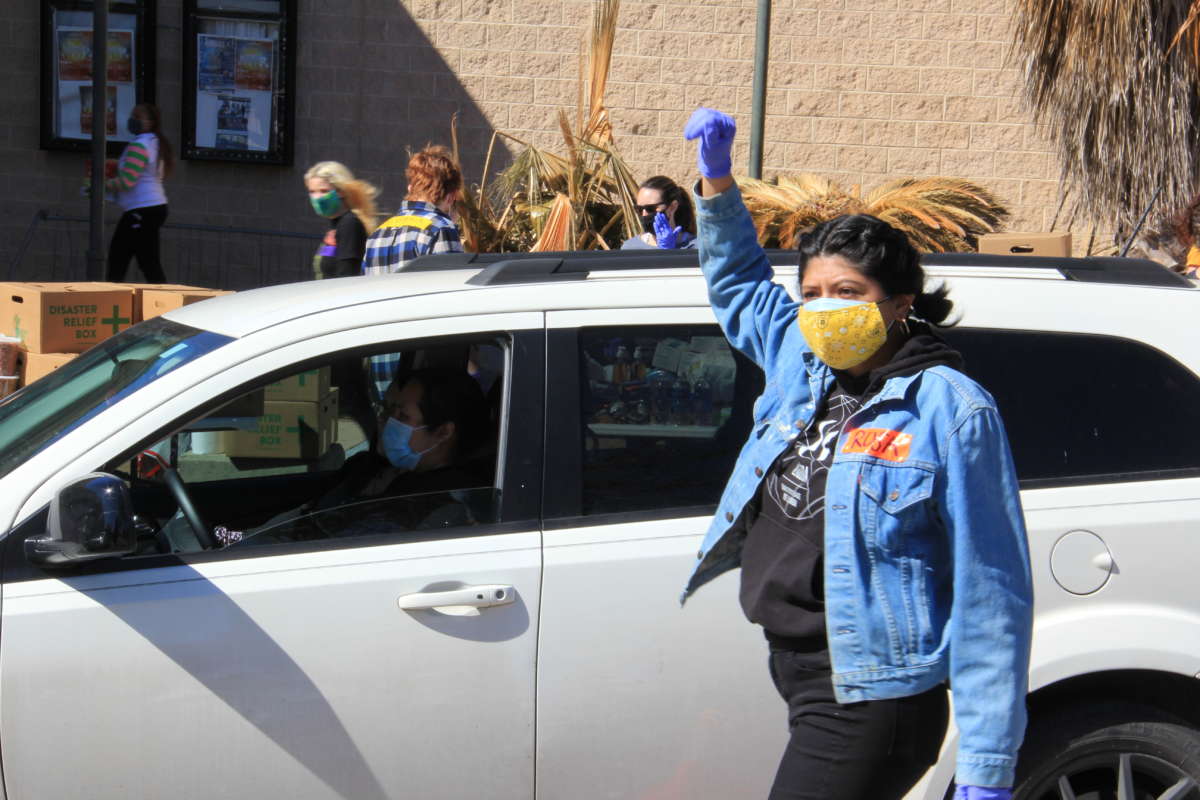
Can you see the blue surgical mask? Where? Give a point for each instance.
(397, 447)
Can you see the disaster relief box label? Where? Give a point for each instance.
(39, 365)
(1057, 245)
(63, 317)
(156, 302)
(286, 429)
(310, 386)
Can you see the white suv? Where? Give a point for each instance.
(531, 645)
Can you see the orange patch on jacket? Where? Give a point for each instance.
(879, 442)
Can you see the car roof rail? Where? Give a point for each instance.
(508, 268)
(513, 268)
(1094, 269)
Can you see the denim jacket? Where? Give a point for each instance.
(926, 565)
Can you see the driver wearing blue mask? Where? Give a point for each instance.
(432, 429)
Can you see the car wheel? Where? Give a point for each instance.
(1118, 753)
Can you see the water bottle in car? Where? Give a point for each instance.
(681, 403)
(658, 385)
(702, 402)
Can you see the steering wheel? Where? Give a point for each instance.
(186, 507)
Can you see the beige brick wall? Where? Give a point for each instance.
(859, 90)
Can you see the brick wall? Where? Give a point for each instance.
(860, 90)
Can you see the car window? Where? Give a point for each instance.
(1080, 407)
(664, 411)
(105, 375)
(303, 456)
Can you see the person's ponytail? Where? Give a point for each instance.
(934, 307)
(360, 197)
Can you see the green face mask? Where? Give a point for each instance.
(327, 205)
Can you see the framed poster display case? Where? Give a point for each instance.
(239, 77)
(68, 109)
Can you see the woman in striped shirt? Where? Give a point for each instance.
(139, 191)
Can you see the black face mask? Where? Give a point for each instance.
(648, 222)
(134, 125)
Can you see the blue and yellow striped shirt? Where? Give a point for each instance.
(417, 229)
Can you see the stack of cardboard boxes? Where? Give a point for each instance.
(299, 420)
(54, 322)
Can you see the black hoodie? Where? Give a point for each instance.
(781, 585)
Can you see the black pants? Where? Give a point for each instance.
(874, 750)
(137, 235)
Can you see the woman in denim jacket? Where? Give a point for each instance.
(874, 509)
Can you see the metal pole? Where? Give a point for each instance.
(762, 46)
(95, 257)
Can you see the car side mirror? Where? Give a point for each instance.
(90, 519)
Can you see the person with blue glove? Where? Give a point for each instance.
(665, 213)
(874, 511)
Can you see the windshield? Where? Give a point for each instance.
(40, 413)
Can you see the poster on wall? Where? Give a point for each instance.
(87, 110)
(75, 109)
(69, 111)
(235, 81)
(239, 80)
(216, 55)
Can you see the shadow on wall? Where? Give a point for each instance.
(370, 86)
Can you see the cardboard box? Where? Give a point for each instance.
(39, 365)
(156, 302)
(287, 429)
(138, 288)
(12, 362)
(63, 317)
(1057, 245)
(308, 386)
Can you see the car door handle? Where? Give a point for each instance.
(464, 602)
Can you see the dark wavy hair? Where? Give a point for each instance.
(451, 395)
(883, 254)
(685, 215)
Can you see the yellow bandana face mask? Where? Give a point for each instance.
(842, 333)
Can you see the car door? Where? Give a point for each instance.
(647, 410)
(331, 668)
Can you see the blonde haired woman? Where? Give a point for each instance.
(349, 205)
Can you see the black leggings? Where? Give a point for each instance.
(874, 750)
(137, 235)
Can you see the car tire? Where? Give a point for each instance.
(1125, 752)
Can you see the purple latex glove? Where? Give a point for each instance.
(982, 793)
(715, 131)
(664, 234)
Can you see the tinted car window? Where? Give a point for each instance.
(1085, 407)
(665, 410)
(297, 458)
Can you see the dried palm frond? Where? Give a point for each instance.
(1189, 32)
(477, 219)
(791, 205)
(947, 214)
(1120, 102)
(937, 214)
(602, 35)
(559, 231)
(590, 184)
